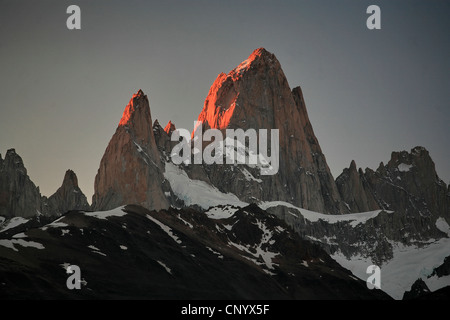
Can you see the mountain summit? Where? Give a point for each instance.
(130, 171)
(68, 197)
(256, 95)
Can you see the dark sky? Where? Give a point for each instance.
(368, 92)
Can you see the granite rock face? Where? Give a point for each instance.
(355, 191)
(408, 185)
(256, 95)
(19, 196)
(68, 197)
(131, 171)
(410, 206)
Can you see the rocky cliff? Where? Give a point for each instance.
(408, 185)
(68, 197)
(19, 196)
(256, 95)
(130, 171)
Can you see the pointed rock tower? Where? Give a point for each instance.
(355, 191)
(19, 196)
(68, 197)
(130, 171)
(256, 95)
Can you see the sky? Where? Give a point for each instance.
(367, 92)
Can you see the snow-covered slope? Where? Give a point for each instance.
(408, 264)
(357, 241)
(133, 253)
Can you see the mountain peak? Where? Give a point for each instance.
(70, 179)
(259, 58)
(353, 165)
(13, 160)
(170, 127)
(131, 107)
(256, 95)
(131, 170)
(11, 151)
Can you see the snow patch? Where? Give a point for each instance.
(117, 212)
(443, 226)
(55, 224)
(164, 266)
(249, 176)
(165, 228)
(123, 247)
(12, 223)
(267, 256)
(408, 264)
(218, 254)
(435, 283)
(221, 213)
(11, 244)
(186, 222)
(403, 167)
(353, 218)
(19, 235)
(96, 250)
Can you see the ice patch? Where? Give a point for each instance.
(435, 283)
(196, 192)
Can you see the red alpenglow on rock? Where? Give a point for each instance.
(130, 171)
(256, 95)
(130, 108)
(170, 127)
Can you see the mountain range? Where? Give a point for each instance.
(227, 231)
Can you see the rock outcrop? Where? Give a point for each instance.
(256, 95)
(170, 127)
(68, 197)
(19, 196)
(162, 138)
(355, 191)
(407, 184)
(411, 208)
(418, 289)
(131, 169)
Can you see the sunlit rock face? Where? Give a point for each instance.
(131, 171)
(256, 95)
